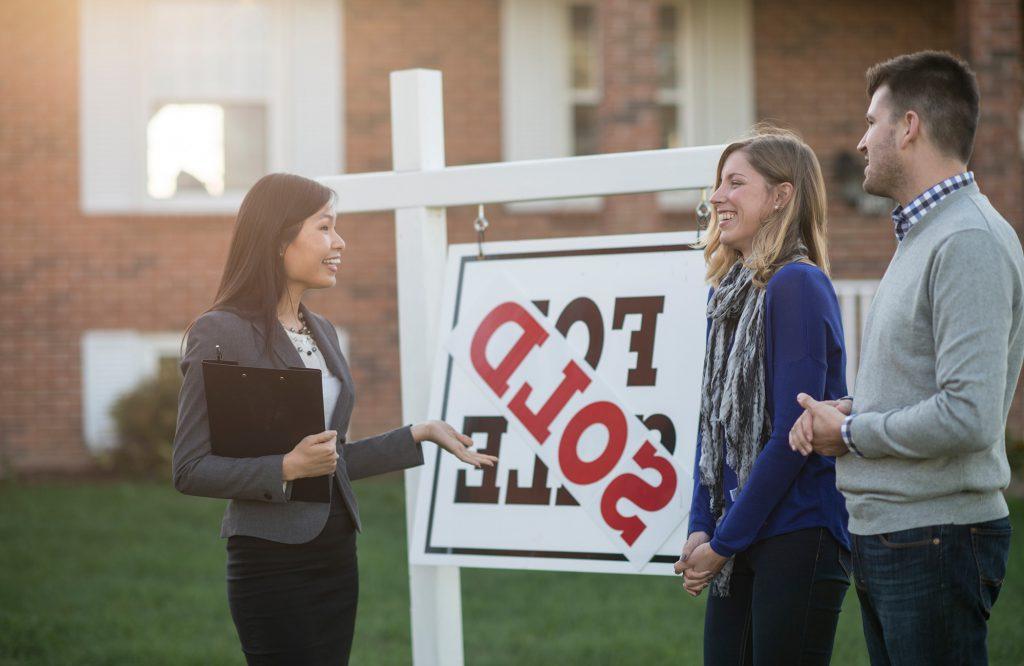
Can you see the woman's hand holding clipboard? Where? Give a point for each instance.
(315, 455)
(256, 411)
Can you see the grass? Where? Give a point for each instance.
(133, 573)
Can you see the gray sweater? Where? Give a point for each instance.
(940, 358)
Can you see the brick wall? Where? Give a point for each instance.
(811, 58)
(62, 273)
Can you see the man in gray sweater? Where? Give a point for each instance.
(920, 451)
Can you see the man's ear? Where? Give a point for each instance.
(909, 129)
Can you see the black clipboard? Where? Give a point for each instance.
(264, 411)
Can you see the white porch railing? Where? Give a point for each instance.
(854, 298)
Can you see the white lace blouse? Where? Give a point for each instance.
(305, 345)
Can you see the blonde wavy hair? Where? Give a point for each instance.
(780, 156)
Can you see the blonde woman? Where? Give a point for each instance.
(767, 528)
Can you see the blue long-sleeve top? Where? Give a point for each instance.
(786, 492)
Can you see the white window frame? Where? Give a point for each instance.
(716, 101)
(305, 106)
(683, 96)
(583, 96)
(680, 95)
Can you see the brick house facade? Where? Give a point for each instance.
(64, 272)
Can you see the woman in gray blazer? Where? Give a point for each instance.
(291, 570)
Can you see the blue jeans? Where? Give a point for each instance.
(926, 593)
(784, 601)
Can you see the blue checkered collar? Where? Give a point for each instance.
(905, 217)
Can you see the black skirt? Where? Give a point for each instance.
(296, 603)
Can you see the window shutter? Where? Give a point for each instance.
(536, 120)
(312, 128)
(112, 134)
(113, 362)
(722, 70)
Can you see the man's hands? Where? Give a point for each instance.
(452, 441)
(818, 428)
(316, 455)
(698, 563)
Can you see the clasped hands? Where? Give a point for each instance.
(818, 428)
(818, 431)
(699, 563)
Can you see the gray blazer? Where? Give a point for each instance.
(259, 503)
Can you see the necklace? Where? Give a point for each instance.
(303, 328)
(304, 331)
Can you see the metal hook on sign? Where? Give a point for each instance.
(703, 212)
(480, 224)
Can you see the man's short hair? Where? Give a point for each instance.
(943, 91)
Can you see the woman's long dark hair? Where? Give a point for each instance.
(269, 218)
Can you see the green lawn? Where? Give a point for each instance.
(133, 573)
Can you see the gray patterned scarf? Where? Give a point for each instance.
(734, 420)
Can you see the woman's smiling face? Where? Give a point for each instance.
(741, 202)
(312, 259)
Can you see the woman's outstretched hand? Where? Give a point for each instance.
(452, 441)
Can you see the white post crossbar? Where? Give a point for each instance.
(418, 190)
(528, 180)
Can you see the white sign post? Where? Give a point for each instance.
(421, 239)
(419, 189)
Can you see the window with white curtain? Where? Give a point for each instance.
(552, 69)
(210, 87)
(186, 103)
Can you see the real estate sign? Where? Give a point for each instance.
(578, 363)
